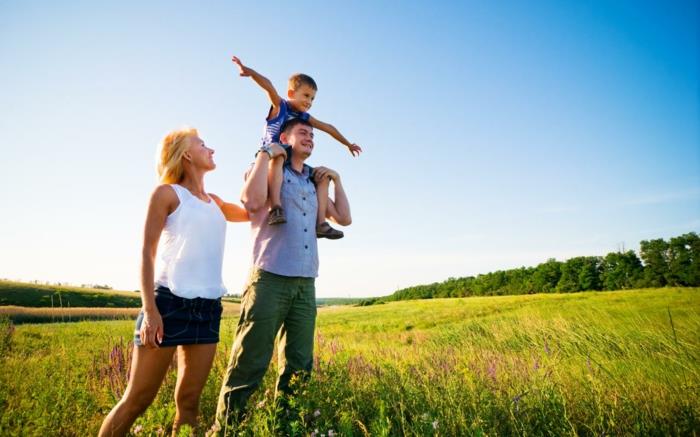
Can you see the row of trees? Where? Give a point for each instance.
(674, 263)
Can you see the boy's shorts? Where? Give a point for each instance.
(288, 161)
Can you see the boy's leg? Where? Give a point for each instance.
(323, 229)
(274, 184)
(263, 309)
(322, 196)
(295, 348)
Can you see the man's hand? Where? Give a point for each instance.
(354, 149)
(320, 173)
(244, 71)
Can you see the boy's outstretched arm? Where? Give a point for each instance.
(261, 80)
(353, 148)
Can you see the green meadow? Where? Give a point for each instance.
(594, 363)
(56, 296)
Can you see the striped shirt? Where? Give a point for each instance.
(273, 127)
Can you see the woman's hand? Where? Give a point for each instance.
(151, 332)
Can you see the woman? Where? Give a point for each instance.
(184, 311)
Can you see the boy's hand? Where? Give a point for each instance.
(244, 71)
(354, 149)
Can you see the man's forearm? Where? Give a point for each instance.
(342, 206)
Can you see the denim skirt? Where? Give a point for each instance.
(185, 321)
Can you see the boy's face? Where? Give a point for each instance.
(302, 98)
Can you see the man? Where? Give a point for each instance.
(280, 296)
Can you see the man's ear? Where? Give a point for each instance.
(284, 137)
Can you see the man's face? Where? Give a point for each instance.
(301, 138)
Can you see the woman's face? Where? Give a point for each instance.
(200, 155)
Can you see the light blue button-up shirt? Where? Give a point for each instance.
(289, 249)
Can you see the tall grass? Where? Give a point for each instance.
(583, 364)
(52, 315)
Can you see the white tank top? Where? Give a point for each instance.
(191, 248)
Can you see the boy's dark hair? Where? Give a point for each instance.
(299, 79)
(288, 125)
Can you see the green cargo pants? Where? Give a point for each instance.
(271, 304)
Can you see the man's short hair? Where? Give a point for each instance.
(288, 125)
(298, 79)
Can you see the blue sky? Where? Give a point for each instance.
(495, 135)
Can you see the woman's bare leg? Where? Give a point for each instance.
(193, 365)
(148, 368)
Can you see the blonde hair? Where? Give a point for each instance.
(298, 79)
(170, 151)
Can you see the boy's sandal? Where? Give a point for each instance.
(276, 216)
(324, 230)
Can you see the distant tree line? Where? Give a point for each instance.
(660, 263)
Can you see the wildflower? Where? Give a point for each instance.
(261, 404)
(138, 429)
(315, 433)
(331, 433)
(435, 424)
(317, 413)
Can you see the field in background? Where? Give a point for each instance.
(624, 362)
(19, 315)
(56, 296)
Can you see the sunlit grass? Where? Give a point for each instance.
(586, 364)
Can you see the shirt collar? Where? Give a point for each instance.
(305, 172)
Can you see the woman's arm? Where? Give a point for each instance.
(232, 212)
(163, 202)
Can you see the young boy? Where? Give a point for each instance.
(301, 91)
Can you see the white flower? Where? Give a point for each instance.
(435, 424)
(331, 433)
(138, 429)
(317, 413)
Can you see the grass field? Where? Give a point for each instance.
(53, 296)
(620, 363)
(20, 315)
